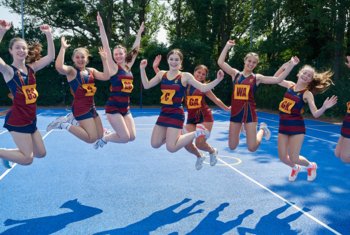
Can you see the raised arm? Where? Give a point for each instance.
(281, 74)
(149, 83)
(137, 44)
(59, 63)
(217, 101)
(221, 61)
(189, 79)
(111, 64)
(46, 60)
(105, 75)
(328, 103)
(4, 68)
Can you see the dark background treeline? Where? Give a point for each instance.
(317, 31)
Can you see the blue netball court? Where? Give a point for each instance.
(135, 189)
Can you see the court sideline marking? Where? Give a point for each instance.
(308, 128)
(14, 165)
(280, 197)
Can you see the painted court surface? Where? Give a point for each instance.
(135, 189)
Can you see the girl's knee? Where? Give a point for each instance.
(345, 158)
(232, 146)
(41, 154)
(132, 138)
(27, 160)
(171, 149)
(252, 149)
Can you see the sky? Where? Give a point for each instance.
(5, 14)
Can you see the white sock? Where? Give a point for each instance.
(296, 167)
(74, 122)
(66, 125)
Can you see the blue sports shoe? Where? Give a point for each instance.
(7, 164)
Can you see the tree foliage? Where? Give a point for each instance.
(318, 31)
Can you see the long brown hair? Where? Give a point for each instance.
(130, 54)
(321, 81)
(34, 49)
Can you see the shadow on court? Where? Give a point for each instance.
(52, 224)
(272, 224)
(158, 219)
(211, 225)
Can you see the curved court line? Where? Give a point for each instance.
(238, 161)
(282, 198)
(14, 165)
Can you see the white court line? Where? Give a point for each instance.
(281, 198)
(312, 137)
(8, 170)
(307, 127)
(3, 132)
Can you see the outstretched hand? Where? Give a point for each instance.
(330, 102)
(294, 60)
(143, 64)
(5, 25)
(99, 19)
(64, 43)
(348, 61)
(102, 53)
(45, 28)
(220, 74)
(230, 43)
(156, 61)
(142, 27)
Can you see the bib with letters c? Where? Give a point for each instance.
(167, 97)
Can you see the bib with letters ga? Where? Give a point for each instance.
(194, 101)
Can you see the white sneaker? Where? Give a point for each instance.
(213, 157)
(99, 144)
(7, 164)
(202, 131)
(267, 132)
(199, 162)
(294, 173)
(71, 119)
(56, 124)
(311, 172)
